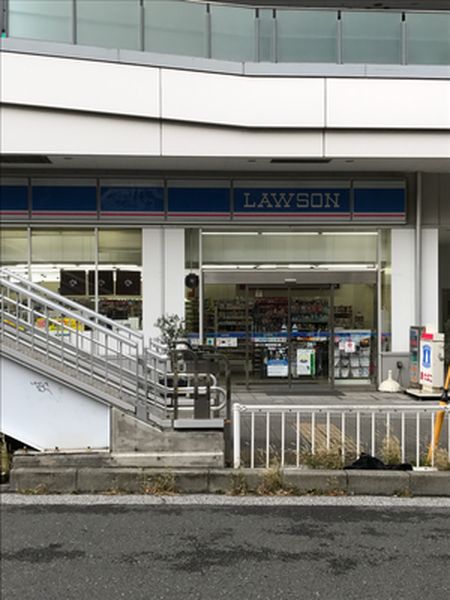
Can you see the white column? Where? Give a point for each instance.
(162, 275)
(403, 287)
(430, 279)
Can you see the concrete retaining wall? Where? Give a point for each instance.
(141, 479)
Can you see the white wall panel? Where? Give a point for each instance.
(246, 101)
(381, 103)
(79, 84)
(28, 131)
(189, 140)
(163, 276)
(387, 144)
(44, 414)
(403, 287)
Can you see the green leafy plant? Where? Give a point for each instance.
(172, 330)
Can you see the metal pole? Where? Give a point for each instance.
(236, 436)
(201, 290)
(74, 21)
(379, 320)
(419, 249)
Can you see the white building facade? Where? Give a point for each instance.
(296, 161)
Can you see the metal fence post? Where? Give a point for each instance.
(236, 436)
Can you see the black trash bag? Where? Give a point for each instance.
(368, 462)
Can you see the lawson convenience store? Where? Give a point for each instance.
(293, 280)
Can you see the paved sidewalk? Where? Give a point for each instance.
(336, 397)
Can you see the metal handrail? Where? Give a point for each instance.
(287, 433)
(109, 323)
(94, 347)
(69, 314)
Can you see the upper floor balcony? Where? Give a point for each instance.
(197, 29)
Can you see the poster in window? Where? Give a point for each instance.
(128, 283)
(72, 283)
(105, 283)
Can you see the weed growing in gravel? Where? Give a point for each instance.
(239, 485)
(391, 450)
(272, 482)
(160, 484)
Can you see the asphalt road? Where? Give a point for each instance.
(188, 551)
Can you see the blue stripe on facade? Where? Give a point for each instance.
(383, 200)
(13, 197)
(199, 200)
(132, 199)
(64, 198)
(327, 201)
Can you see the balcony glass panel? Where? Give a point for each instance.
(371, 37)
(41, 20)
(306, 36)
(175, 27)
(428, 39)
(232, 33)
(266, 36)
(108, 24)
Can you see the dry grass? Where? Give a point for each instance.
(441, 460)
(323, 458)
(272, 482)
(239, 485)
(391, 450)
(161, 484)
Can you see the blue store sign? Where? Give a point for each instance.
(167, 201)
(311, 203)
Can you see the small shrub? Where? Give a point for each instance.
(322, 459)
(272, 482)
(391, 450)
(441, 460)
(239, 485)
(161, 484)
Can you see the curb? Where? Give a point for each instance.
(133, 480)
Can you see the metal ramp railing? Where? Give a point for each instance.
(106, 358)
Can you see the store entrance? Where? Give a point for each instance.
(288, 333)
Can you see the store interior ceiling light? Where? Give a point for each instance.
(347, 266)
(230, 233)
(335, 233)
(285, 233)
(300, 266)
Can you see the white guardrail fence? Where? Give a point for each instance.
(334, 436)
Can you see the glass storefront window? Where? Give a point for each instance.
(61, 246)
(120, 246)
(270, 249)
(119, 275)
(61, 259)
(41, 20)
(175, 27)
(120, 29)
(232, 33)
(14, 247)
(306, 36)
(369, 37)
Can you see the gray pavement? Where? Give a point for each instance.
(105, 548)
(311, 396)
